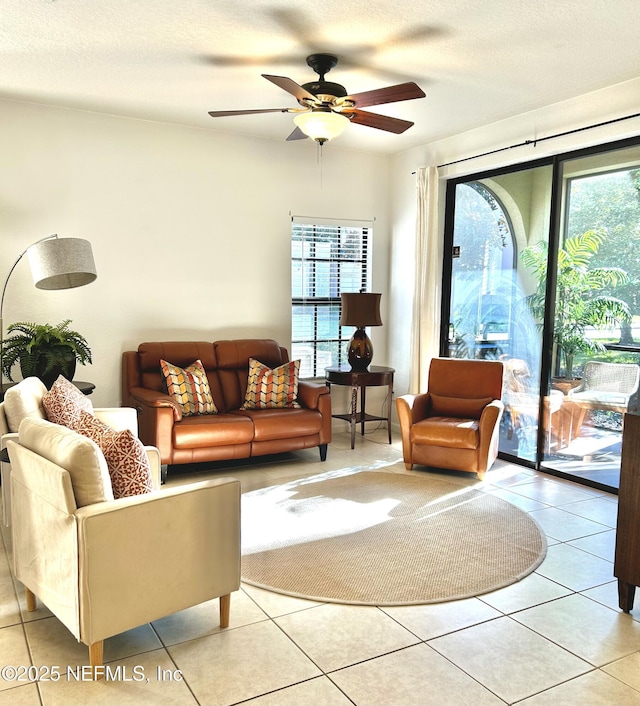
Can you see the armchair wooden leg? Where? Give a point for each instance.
(31, 599)
(408, 466)
(225, 609)
(96, 659)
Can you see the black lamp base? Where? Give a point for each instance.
(360, 351)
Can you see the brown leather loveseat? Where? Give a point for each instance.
(231, 433)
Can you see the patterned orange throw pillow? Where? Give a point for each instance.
(267, 388)
(189, 388)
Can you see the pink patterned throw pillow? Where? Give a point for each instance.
(125, 456)
(63, 403)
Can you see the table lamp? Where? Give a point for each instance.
(360, 309)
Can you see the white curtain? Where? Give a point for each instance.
(425, 327)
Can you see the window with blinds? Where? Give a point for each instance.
(326, 260)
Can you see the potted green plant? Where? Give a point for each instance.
(580, 298)
(44, 351)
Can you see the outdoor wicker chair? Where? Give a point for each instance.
(607, 386)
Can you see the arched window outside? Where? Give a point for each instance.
(484, 266)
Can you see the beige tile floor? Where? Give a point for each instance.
(557, 637)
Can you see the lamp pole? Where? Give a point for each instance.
(4, 289)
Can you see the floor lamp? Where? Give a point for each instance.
(56, 263)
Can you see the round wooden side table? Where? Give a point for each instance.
(85, 387)
(375, 376)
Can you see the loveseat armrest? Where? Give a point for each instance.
(317, 396)
(157, 413)
(152, 398)
(157, 554)
(310, 393)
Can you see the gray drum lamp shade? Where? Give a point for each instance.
(61, 263)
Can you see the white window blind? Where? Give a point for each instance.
(327, 258)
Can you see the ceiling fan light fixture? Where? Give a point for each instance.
(321, 125)
(325, 103)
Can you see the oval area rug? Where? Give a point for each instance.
(380, 538)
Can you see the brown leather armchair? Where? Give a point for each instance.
(455, 424)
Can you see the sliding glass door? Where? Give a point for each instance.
(596, 335)
(493, 219)
(542, 271)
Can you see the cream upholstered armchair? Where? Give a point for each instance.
(455, 424)
(25, 400)
(105, 566)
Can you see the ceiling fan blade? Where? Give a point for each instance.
(290, 86)
(380, 122)
(225, 113)
(390, 94)
(297, 134)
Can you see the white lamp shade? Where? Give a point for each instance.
(62, 263)
(321, 125)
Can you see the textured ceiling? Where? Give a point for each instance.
(173, 60)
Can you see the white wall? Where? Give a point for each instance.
(600, 106)
(190, 228)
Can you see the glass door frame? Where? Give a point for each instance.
(554, 235)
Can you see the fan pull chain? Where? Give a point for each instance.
(319, 159)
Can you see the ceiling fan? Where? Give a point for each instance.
(326, 108)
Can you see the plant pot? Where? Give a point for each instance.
(565, 384)
(37, 367)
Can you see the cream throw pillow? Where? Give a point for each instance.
(77, 454)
